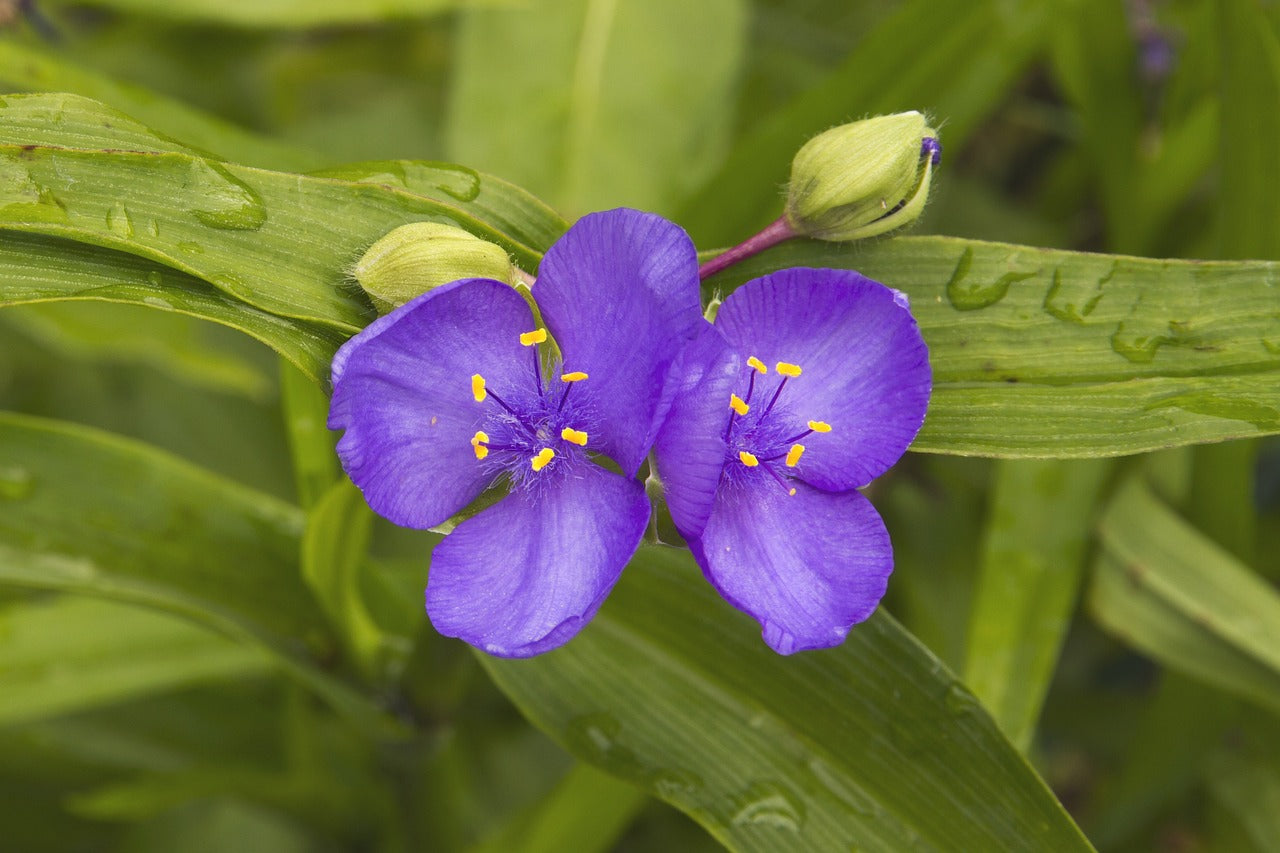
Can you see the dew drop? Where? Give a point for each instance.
(965, 294)
(157, 302)
(960, 701)
(845, 791)
(453, 180)
(16, 482)
(23, 199)
(767, 804)
(119, 222)
(1072, 301)
(190, 247)
(675, 784)
(1138, 345)
(233, 285)
(155, 278)
(225, 201)
(595, 736)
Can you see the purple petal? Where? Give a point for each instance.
(525, 575)
(807, 566)
(865, 366)
(402, 392)
(619, 292)
(690, 449)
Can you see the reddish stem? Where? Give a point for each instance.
(777, 232)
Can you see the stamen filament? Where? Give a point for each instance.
(569, 379)
(776, 394)
(503, 403)
(781, 482)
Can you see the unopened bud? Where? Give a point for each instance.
(862, 179)
(417, 257)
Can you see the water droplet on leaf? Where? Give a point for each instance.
(119, 222)
(225, 201)
(768, 804)
(16, 482)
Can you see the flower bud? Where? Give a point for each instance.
(414, 258)
(862, 179)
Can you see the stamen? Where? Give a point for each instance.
(738, 404)
(569, 379)
(819, 426)
(786, 368)
(477, 387)
(794, 454)
(575, 436)
(757, 364)
(778, 478)
(537, 336)
(545, 455)
(478, 442)
(748, 459)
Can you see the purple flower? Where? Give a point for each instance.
(811, 384)
(457, 391)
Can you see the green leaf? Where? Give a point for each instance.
(69, 654)
(42, 269)
(586, 812)
(597, 103)
(87, 512)
(1248, 206)
(30, 68)
(281, 242)
(872, 745)
(1033, 561)
(1162, 586)
(311, 443)
(174, 344)
(953, 59)
(283, 13)
(333, 551)
(1043, 353)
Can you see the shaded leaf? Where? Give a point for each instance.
(871, 745)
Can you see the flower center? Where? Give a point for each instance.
(762, 439)
(526, 433)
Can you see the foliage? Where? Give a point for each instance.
(208, 641)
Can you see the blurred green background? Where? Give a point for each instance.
(1145, 128)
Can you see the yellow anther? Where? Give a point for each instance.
(576, 436)
(748, 459)
(819, 426)
(544, 456)
(794, 454)
(481, 451)
(791, 492)
(477, 388)
(478, 442)
(537, 336)
(786, 368)
(738, 404)
(575, 376)
(757, 364)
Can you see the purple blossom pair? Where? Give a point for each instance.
(810, 384)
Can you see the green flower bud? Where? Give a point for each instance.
(862, 179)
(416, 257)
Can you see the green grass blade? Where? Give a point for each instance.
(872, 745)
(1032, 564)
(1162, 586)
